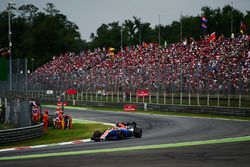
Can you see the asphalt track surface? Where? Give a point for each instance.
(157, 130)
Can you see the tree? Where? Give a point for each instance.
(246, 21)
(40, 35)
(220, 20)
(129, 30)
(51, 10)
(28, 11)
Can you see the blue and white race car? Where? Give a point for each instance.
(119, 132)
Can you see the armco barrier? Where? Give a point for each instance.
(19, 134)
(229, 111)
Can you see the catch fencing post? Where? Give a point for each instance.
(181, 97)
(130, 97)
(218, 99)
(157, 97)
(208, 99)
(6, 118)
(189, 98)
(172, 98)
(240, 101)
(112, 96)
(5, 102)
(198, 98)
(91, 98)
(124, 96)
(118, 94)
(164, 97)
(145, 106)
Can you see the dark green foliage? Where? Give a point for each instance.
(3, 69)
(39, 35)
(135, 31)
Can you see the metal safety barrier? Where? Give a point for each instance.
(194, 109)
(19, 134)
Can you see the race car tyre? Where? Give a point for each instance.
(137, 133)
(96, 136)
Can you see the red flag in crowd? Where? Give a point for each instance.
(212, 37)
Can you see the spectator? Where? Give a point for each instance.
(191, 65)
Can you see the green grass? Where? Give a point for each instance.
(184, 114)
(160, 113)
(200, 115)
(5, 126)
(79, 131)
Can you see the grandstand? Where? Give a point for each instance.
(192, 72)
(215, 66)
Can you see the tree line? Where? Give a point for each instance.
(222, 21)
(41, 34)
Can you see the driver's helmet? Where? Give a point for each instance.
(120, 125)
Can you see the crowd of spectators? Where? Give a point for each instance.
(191, 65)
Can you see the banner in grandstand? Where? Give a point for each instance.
(129, 107)
(142, 92)
(60, 103)
(71, 91)
(49, 92)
